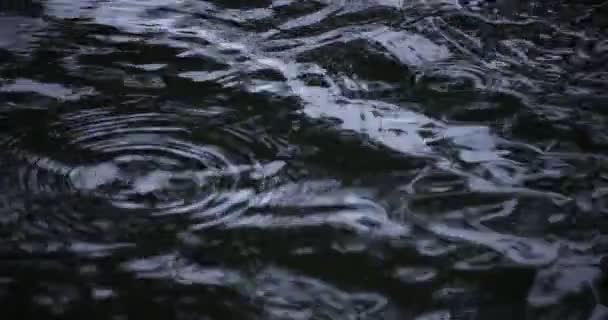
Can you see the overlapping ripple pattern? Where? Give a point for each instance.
(311, 159)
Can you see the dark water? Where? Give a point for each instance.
(303, 159)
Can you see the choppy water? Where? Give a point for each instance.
(303, 159)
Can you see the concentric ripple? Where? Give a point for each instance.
(135, 160)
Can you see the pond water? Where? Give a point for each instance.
(304, 159)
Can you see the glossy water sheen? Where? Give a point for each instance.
(303, 159)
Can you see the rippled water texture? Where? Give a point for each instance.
(303, 159)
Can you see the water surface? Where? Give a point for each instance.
(303, 159)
